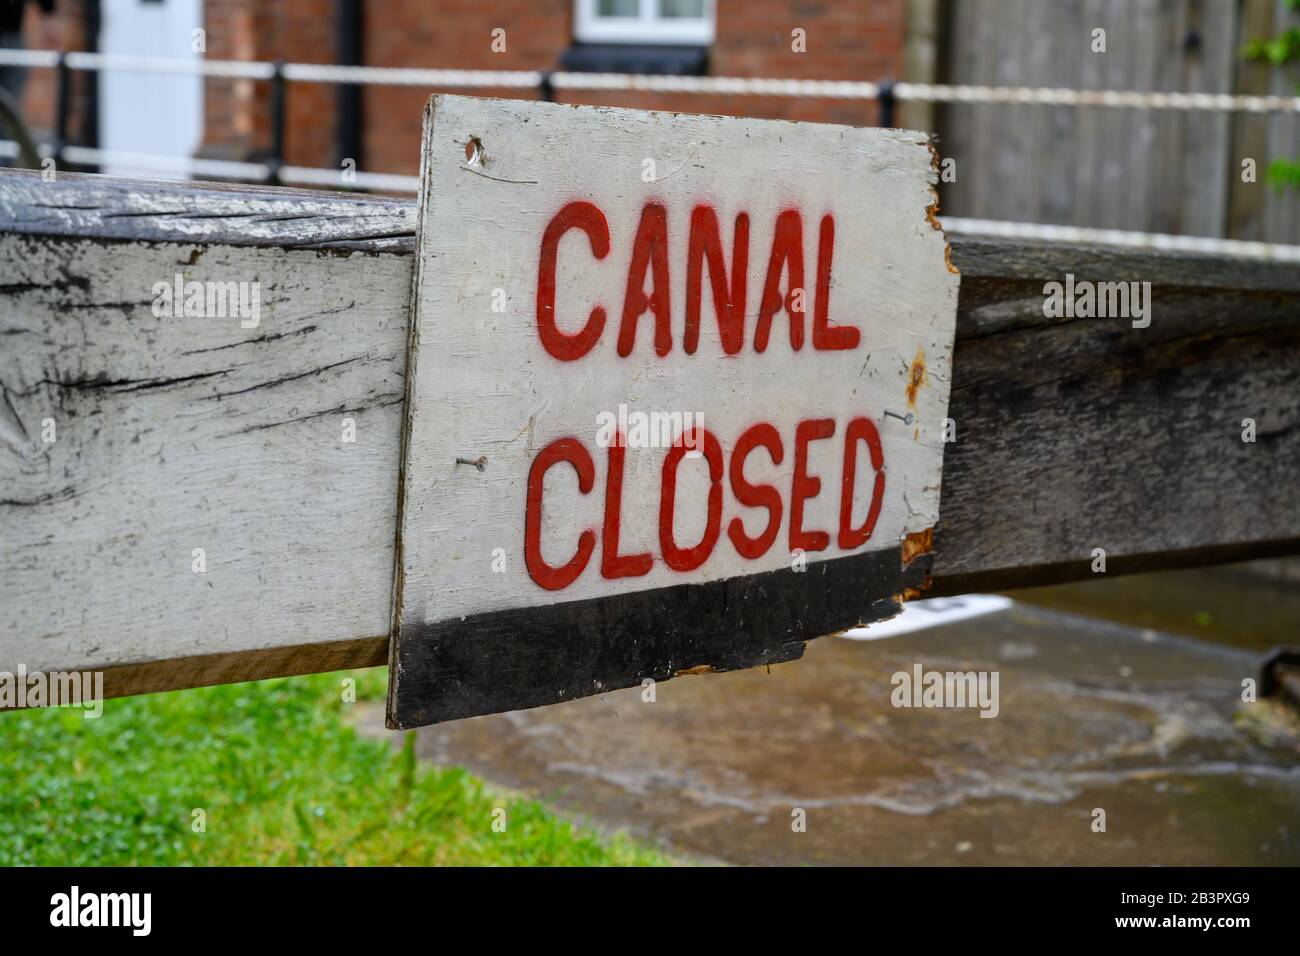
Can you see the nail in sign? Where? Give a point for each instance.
(676, 397)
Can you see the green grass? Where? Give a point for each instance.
(282, 777)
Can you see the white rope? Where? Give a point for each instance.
(242, 69)
(1237, 248)
(29, 58)
(1022, 95)
(386, 182)
(722, 85)
(221, 168)
(730, 85)
(401, 76)
(226, 169)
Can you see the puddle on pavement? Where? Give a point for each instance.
(1254, 605)
(1091, 715)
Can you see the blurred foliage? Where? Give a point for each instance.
(1283, 174)
(1280, 51)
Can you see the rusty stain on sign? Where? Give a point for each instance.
(916, 544)
(916, 377)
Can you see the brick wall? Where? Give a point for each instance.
(234, 111)
(237, 117)
(449, 34)
(65, 30)
(859, 40)
(846, 40)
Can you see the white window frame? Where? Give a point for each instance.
(648, 27)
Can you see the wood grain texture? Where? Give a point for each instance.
(180, 433)
(232, 667)
(1147, 170)
(1088, 433)
(1071, 434)
(208, 213)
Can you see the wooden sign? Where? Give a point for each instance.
(676, 398)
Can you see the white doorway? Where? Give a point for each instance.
(153, 113)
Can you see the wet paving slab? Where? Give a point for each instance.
(1090, 716)
(1254, 605)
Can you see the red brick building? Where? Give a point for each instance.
(818, 39)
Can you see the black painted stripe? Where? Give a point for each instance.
(530, 657)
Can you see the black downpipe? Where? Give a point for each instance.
(276, 160)
(350, 37)
(888, 104)
(62, 106)
(89, 133)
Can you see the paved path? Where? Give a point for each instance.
(1091, 715)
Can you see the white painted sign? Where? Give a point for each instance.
(677, 393)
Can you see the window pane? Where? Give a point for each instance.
(617, 8)
(687, 9)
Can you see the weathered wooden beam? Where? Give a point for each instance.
(1075, 434)
(182, 434)
(174, 435)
